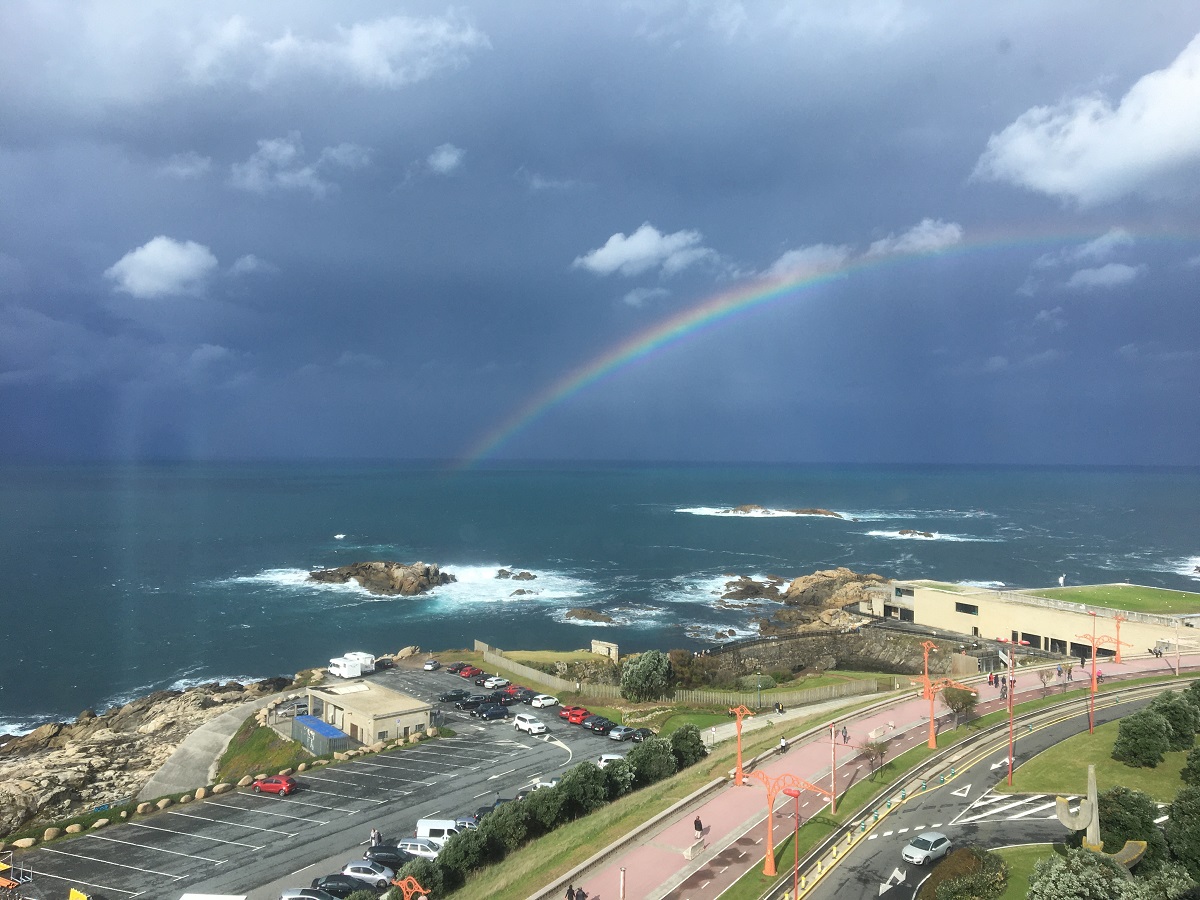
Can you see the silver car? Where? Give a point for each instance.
(620, 733)
(306, 894)
(369, 872)
(926, 847)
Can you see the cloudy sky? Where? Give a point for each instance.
(855, 232)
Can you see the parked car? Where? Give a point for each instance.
(296, 708)
(454, 696)
(577, 715)
(513, 689)
(529, 724)
(495, 712)
(543, 700)
(525, 695)
(926, 847)
(276, 784)
(483, 707)
(455, 668)
(387, 856)
(525, 792)
(604, 726)
(496, 681)
(306, 894)
(641, 734)
(590, 722)
(431, 665)
(470, 672)
(506, 700)
(564, 711)
(606, 758)
(496, 804)
(467, 821)
(371, 873)
(385, 662)
(422, 847)
(337, 884)
(620, 733)
(470, 702)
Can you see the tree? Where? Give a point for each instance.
(646, 677)
(507, 826)
(1183, 829)
(1046, 676)
(1182, 716)
(988, 880)
(1080, 875)
(688, 746)
(618, 778)
(583, 789)
(428, 874)
(1170, 881)
(363, 895)
(1142, 739)
(1127, 815)
(1191, 768)
(463, 854)
(959, 701)
(652, 760)
(875, 751)
(545, 807)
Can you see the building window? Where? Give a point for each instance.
(969, 608)
(383, 736)
(905, 592)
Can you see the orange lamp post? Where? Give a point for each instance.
(795, 795)
(739, 776)
(1095, 643)
(774, 786)
(930, 689)
(1012, 691)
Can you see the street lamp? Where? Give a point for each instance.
(795, 795)
(1012, 690)
(758, 683)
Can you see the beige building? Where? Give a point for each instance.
(368, 712)
(1046, 623)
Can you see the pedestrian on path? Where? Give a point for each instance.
(376, 837)
(845, 735)
(1060, 670)
(699, 826)
(570, 894)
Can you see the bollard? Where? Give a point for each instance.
(903, 793)
(889, 803)
(876, 815)
(849, 838)
(863, 827)
(923, 784)
(804, 882)
(952, 771)
(835, 851)
(943, 781)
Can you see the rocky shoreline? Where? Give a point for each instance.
(387, 578)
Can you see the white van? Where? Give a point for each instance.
(437, 830)
(345, 667)
(531, 724)
(365, 661)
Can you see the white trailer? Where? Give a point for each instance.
(365, 660)
(345, 667)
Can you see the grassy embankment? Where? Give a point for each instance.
(255, 750)
(1130, 597)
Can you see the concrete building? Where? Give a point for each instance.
(368, 712)
(1046, 623)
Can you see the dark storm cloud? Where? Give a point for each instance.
(225, 226)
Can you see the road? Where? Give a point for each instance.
(246, 843)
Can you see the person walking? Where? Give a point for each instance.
(845, 735)
(699, 826)
(1060, 670)
(570, 894)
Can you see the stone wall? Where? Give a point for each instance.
(868, 650)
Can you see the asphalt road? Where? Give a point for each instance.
(246, 843)
(967, 810)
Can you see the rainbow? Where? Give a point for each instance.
(709, 314)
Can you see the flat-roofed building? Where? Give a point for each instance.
(368, 712)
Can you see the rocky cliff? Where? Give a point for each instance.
(388, 578)
(824, 599)
(64, 767)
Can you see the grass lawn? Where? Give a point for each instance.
(1020, 866)
(947, 586)
(255, 750)
(1063, 769)
(701, 720)
(535, 657)
(1132, 597)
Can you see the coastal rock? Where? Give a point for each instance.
(222, 788)
(746, 588)
(25, 843)
(588, 615)
(523, 592)
(515, 576)
(747, 509)
(911, 532)
(51, 833)
(144, 808)
(386, 578)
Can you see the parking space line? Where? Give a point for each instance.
(345, 771)
(395, 790)
(111, 863)
(203, 837)
(97, 837)
(317, 805)
(37, 873)
(266, 812)
(345, 796)
(236, 824)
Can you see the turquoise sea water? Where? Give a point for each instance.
(119, 580)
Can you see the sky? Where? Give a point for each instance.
(862, 232)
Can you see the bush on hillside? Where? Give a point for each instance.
(652, 760)
(546, 807)
(1191, 768)
(506, 828)
(688, 746)
(462, 855)
(1183, 829)
(427, 873)
(1127, 815)
(647, 677)
(1142, 739)
(985, 876)
(363, 895)
(618, 778)
(1182, 716)
(583, 789)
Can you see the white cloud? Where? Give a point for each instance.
(638, 297)
(645, 249)
(1095, 250)
(538, 182)
(163, 266)
(445, 159)
(251, 265)
(185, 166)
(386, 53)
(927, 236)
(1053, 319)
(1085, 149)
(811, 260)
(1106, 276)
(279, 163)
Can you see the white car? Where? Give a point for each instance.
(431, 665)
(529, 724)
(542, 700)
(606, 758)
(422, 847)
(368, 872)
(926, 847)
(496, 682)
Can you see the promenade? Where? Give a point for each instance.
(656, 864)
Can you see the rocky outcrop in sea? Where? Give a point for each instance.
(67, 767)
(387, 578)
(824, 599)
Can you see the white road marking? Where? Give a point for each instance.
(203, 837)
(104, 887)
(298, 871)
(1036, 809)
(872, 837)
(1002, 808)
(500, 774)
(97, 837)
(110, 863)
(235, 824)
(345, 796)
(266, 812)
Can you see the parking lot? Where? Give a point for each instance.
(242, 840)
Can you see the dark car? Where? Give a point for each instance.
(470, 702)
(642, 734)
(385, 662)
(494, 712)
(508, 700)
(454, 696)
(455, 668)
(484, 810)
(391, 857)
(604, 726)
(482, 678)
(590, 722)
(483, 707)
(338, 884)
(525, 695)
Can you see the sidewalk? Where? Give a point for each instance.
(655, 865)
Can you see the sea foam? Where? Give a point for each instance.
(756, 513)
(932, 536)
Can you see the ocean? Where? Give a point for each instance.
(123, 579)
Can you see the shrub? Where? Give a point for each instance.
(647, 677)
(760, 682)
(506, 827)
(1181, 715)
(363, 895)
(988, 881)
(1142, 739)
(1191, 768)
(688, 746)
(463, 854)
(1183, 829)
(1127, 815)
(583, 789)
(652, 761)
(1080, 875)
(428, 874)
(546, 808)
(618, 779)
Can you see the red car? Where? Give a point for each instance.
(513, 688)
(578, 714)
(276, 784)
(564, 711)
(470, 672)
